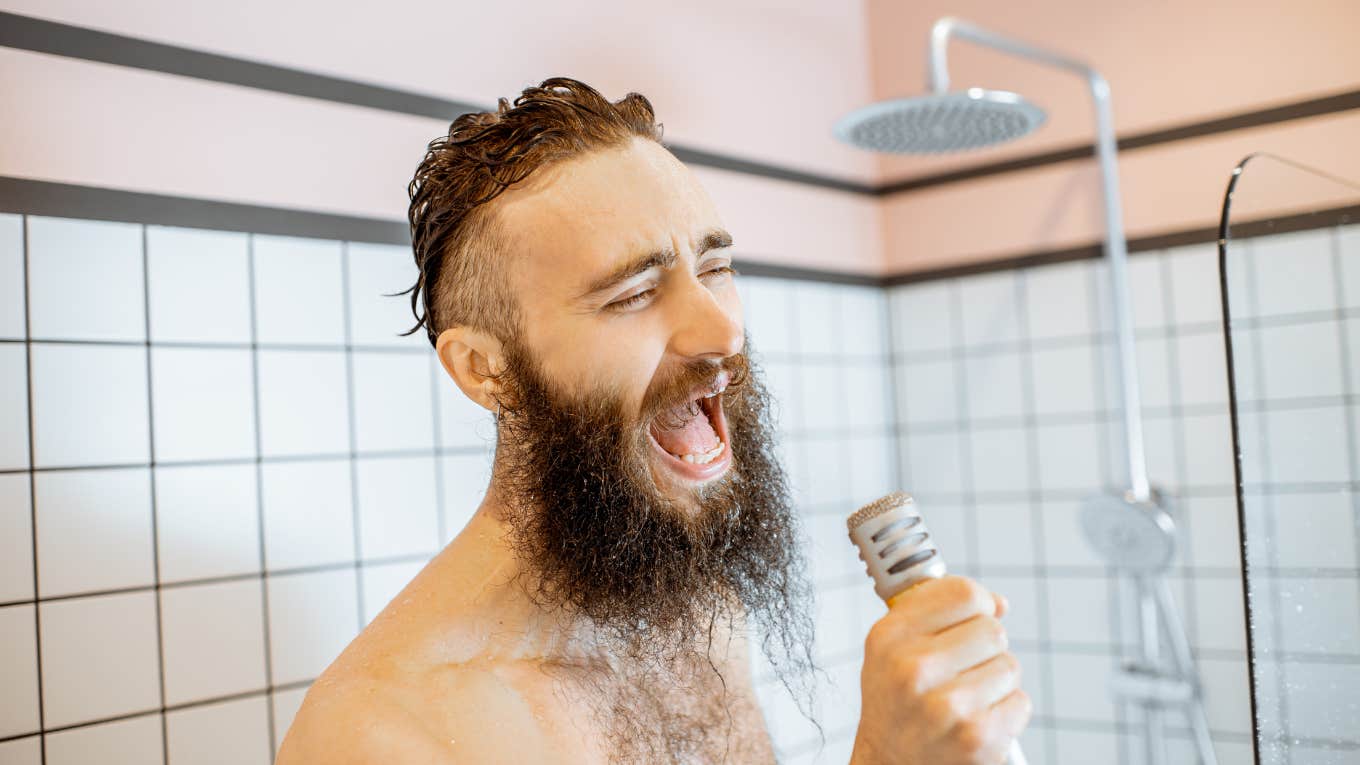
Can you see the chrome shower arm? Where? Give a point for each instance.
(1116, 252)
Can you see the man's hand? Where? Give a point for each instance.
(938, 685)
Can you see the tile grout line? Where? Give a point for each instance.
(436, 424)
(353, 460)
(151, 478)
(33, 493)
(259, 498)
(1347, 383)
(1034, 506)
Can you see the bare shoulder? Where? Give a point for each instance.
(468, 716)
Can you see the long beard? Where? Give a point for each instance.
(656, 576)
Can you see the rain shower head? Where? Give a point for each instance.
(941, 122)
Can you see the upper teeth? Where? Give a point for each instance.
(716, 392)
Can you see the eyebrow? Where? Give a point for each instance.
(659, 259)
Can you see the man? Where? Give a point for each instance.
(577, 282)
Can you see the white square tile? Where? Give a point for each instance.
(392, 408)
(1320, 615)
(1305, 360)
(110, 639)
(1069, 457)
(1227, 696)
(1220, 622)
(126, 742)
(465, 478)
(16, 538)
(94, 530)
(922, 317)
(375, 272)
(822, 405)
(1323, 699)
(990, 309)
(836, 629)
(299, 295)
(18, 672)
(228, 732)
(1208, 450)
(1308, 445)
(1075, 747)
(829, 554)
(1064, 542)
(1314, 530)
(89, 405)
(1196, 295)
(828, 468)
(203, 403)
(13, 406)
(871, 460)
(286, 704)
(21, 751)
(863, 321)
(12, 318)
(85, 280)
(1000, 459)
(213, 640)
(995, 386)
(303, 403)
(766, 306)
(1075, 695)
(927, 391)
(398, 509)
(312, 617)
(1214, 539)
(1064, 380)
(817, 318)
(1079, 610)
(1301, 260)
(1005, 535)
(198, 285)
(308, 514)
(1202, 369)
(1146, 292)
(1348, 251)
(1058, 300)
(207, 521)
(865, 389)
(462, 421)
(934, 465)
(383, 582)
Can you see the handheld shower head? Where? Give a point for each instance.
(941, 122)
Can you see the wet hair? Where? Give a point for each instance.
(459, 244)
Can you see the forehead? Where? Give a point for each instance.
(595, 211)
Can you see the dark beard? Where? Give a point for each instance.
(656, 578)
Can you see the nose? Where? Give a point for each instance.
(704, 326)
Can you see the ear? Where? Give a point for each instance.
(473, 359)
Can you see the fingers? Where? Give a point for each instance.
(1003, 605)
(936, 604)
(981, 687)
(969, 644)
(1011, 714)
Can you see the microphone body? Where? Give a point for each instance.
(899, 553)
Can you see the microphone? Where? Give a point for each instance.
(899, 553)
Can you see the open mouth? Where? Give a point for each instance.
(692, 437)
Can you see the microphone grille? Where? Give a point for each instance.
(876, 508)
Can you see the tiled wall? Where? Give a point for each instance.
(1297, 351)
(226, 482)
(235, 463)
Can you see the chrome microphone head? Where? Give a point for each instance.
(894, 544)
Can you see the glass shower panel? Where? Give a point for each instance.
(1289, 255)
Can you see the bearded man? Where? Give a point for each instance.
(577, 281)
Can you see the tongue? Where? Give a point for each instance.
(694, 437)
